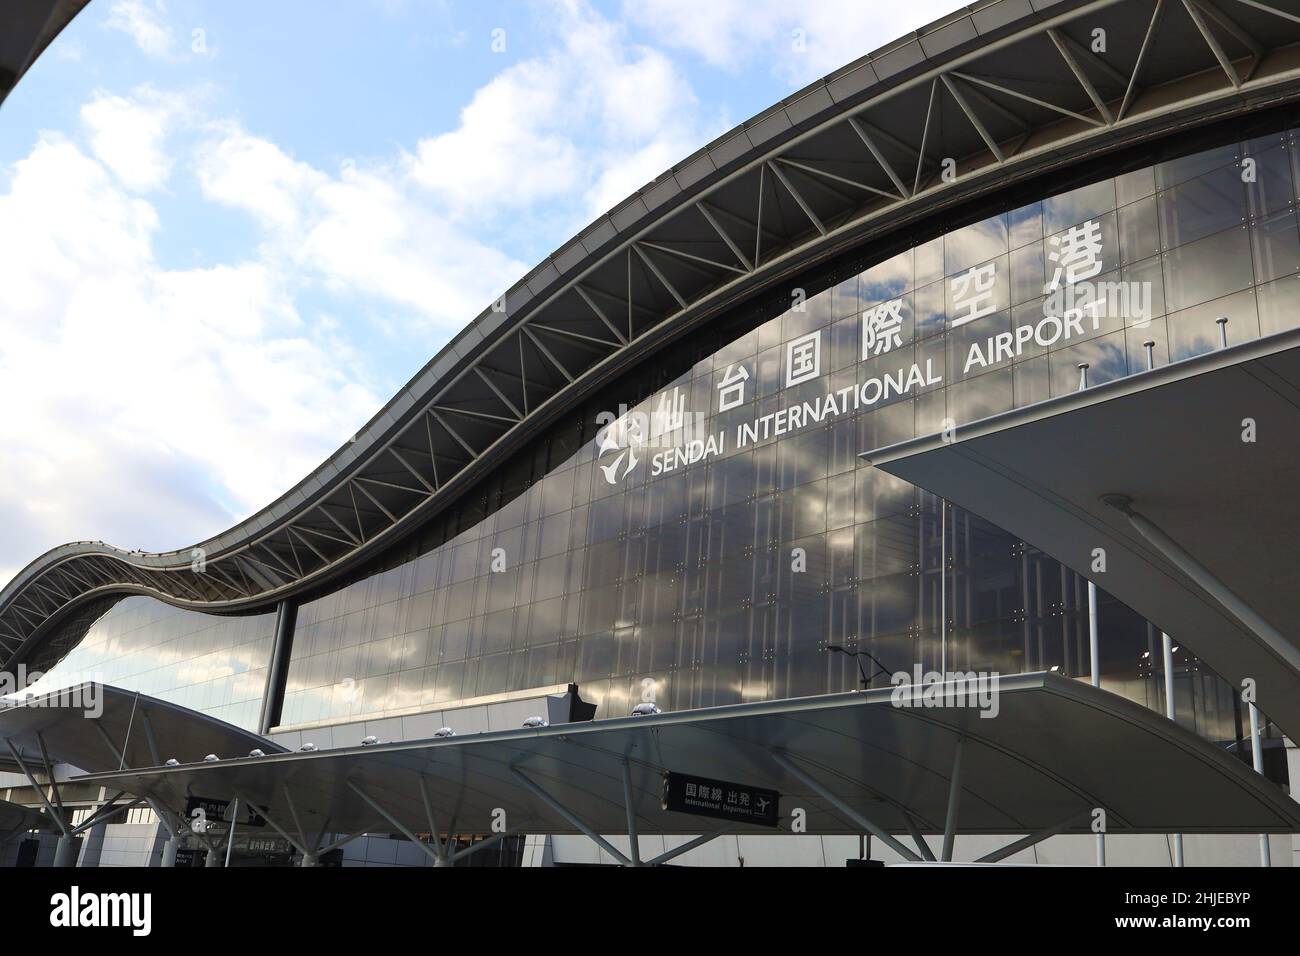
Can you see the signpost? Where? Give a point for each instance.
(208, 815)
(705, 797)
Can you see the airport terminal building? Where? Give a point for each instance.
(974, 366)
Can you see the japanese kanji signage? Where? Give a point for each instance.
(208, 815)
(702, 796)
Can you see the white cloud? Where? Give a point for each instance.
(564, 124)
(365, 231)
(143, 23)
(128, 136)
(732, 33)
(148, 406)
(158, 403)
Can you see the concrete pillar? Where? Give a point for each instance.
(67, 851)
(215, 858)
(309, 860)
(169, 852)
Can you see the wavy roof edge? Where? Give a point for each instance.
(966, 28)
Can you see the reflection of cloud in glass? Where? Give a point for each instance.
(974, 244)
(888, 279)
(1086, 202)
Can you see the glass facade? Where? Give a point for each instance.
(212, 664)
(708, 545)
(715, 542)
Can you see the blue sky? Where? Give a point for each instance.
(233, 229)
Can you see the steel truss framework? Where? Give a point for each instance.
(998, 92)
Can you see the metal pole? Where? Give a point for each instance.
(402, 828)
(281, 647)
(66, 852)
(1174, 553)
(1025, 842)
(1257, 757)
(1094, 645)
(1094, 658)
(918, 838)
(230, 838)
(1222, 322)
(686, 847)
(1167, 646)
(845, 809)
(568, 815)
(954, 800)
(633, 841)
(943, 588)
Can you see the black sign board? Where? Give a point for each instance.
(702, 796)
(208, 815)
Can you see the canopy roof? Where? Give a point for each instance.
(1172, 441)
(133, 730)
(1055, 749)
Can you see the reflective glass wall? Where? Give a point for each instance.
(713, 543)
(216, 665)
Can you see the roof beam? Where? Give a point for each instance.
(835, 178)
(925, 136)
(658, 274)
(798, 197)
(1141, 57)
(1067, 54)
(975, 121)
(469, 449)
(519, 416)
(1237, 31)
(1269, 8)
(600, 314)
(1213, 43)
(860, 128)
(724, 235)
(692, 257)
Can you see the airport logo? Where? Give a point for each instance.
(76, 909)
(671, 438)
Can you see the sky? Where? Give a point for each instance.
(231, 230)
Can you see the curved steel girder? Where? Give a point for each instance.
(857, 157)
(29, 26)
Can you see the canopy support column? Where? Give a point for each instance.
(853, 815)
(568, 815)
(299, 844)
(686, 847)
(1180, 558)
(954, 802)
(918, 838)
(57, 817)
(438, 859)
(633, 841)
(1038, 837)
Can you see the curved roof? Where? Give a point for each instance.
(131, 730)
(29, 27)
(1058, 749)
(1006, 89)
